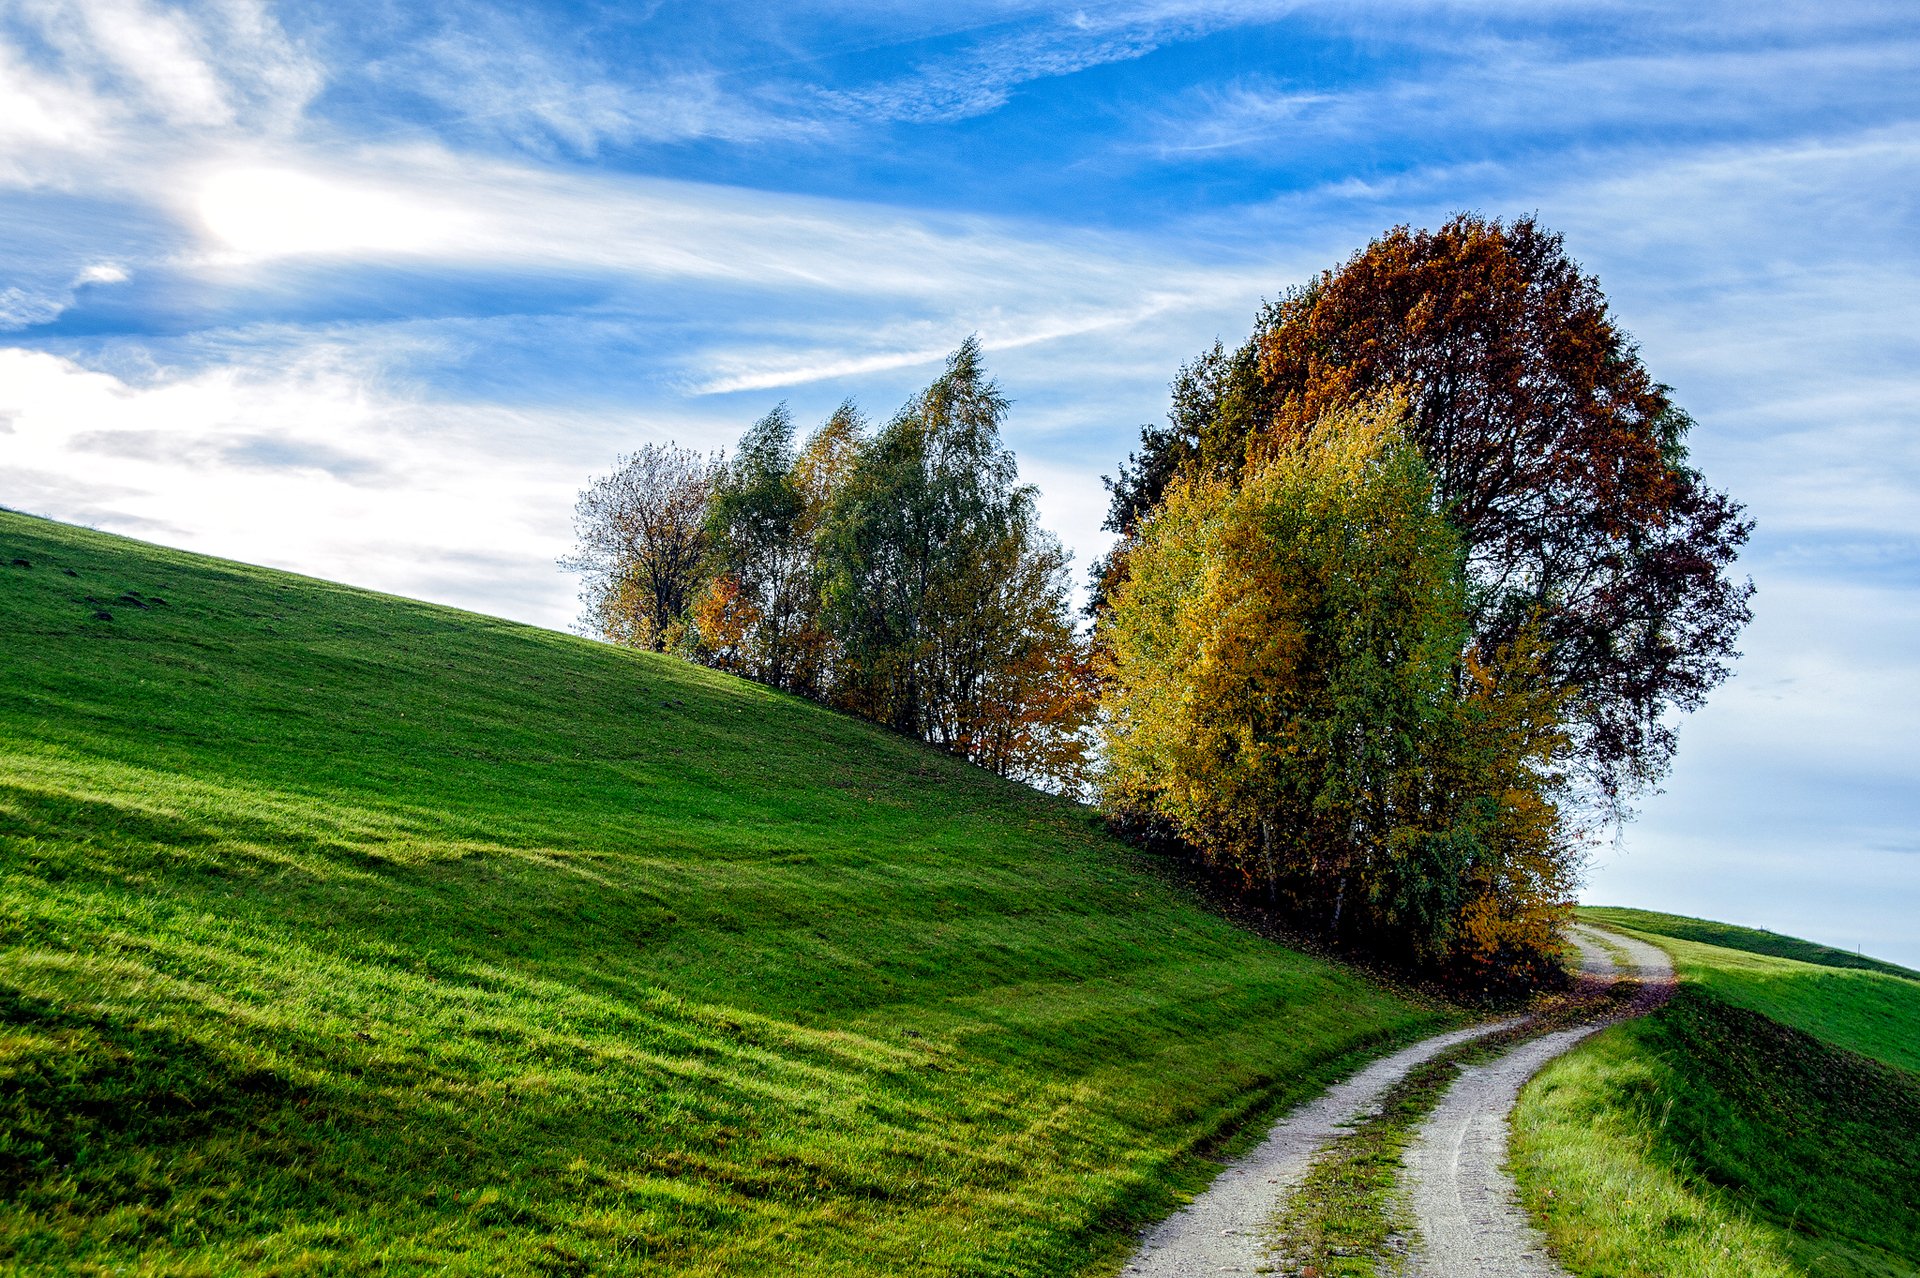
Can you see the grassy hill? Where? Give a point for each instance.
(1765, 1123)
(1732, 937)
(343, 933)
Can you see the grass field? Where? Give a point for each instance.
(1732, 937)
(342, 934)
(1766, 1122)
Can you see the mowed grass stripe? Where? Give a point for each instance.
(343, 933)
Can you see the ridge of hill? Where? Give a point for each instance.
(341, 932)
(1734, 937)
(1765, 1123)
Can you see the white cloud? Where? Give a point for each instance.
(102, 273)
(263, 213)
(158, 54)
(305, 464)
(41, 112)
(122, 87)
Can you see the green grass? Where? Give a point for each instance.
(1858, 1009)
(341, 934)
(1766, 1122)
(1732, 937)
(1348, 1218)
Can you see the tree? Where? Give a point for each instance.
(1287, 687)
(761, 551)
(928, 498)
(642, 543)
(1029, 712)
(725, 623)
(945, 601)
(903, 577)
(1558, 459)
(819, 472)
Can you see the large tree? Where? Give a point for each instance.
(1557, 457)
(947, 604)
(1291, 686)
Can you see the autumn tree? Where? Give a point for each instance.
(642, 544)
(763, 584)
(1287, 688)
(943, 596)
(1028, 713)
(1558, 459)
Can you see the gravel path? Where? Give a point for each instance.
(1223, 1231)
(1470, 1220)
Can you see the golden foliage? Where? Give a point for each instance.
(1289, 685)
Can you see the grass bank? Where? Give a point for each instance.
(342, 933)
(1766, 1122)
(1731, 936)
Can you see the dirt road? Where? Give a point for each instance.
(1462, 1198)
(1223, 1231)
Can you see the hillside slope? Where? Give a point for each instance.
(345, 933)
(1733, 937)
(1766, 1122)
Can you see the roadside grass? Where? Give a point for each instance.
(1732, 937)
(341, 933)
(1347, 1218)
(1765, 1122)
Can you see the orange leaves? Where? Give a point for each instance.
(725, 620)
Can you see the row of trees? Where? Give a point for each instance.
(900, 574)
(1409, 591)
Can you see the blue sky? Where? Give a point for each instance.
(369, 290)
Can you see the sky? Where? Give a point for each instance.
(369, 290)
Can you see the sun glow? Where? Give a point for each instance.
(263, 212)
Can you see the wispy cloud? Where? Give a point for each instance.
(498, 73)
(984, 72)
(129, 82)
(933, 278)
(25, 307)
(1509, 92)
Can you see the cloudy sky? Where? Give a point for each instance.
(368, 290)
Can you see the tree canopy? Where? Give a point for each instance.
(1287, 688)
(642, 544)
(900, 574)
(1558, 459)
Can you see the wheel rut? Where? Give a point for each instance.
(1222, 1231)
(1459, 1191)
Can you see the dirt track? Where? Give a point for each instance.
(1469, 1218)
(1462, 1197)
(1223, 1231)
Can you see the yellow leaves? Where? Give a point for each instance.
(1290, 684)
(725, 619)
